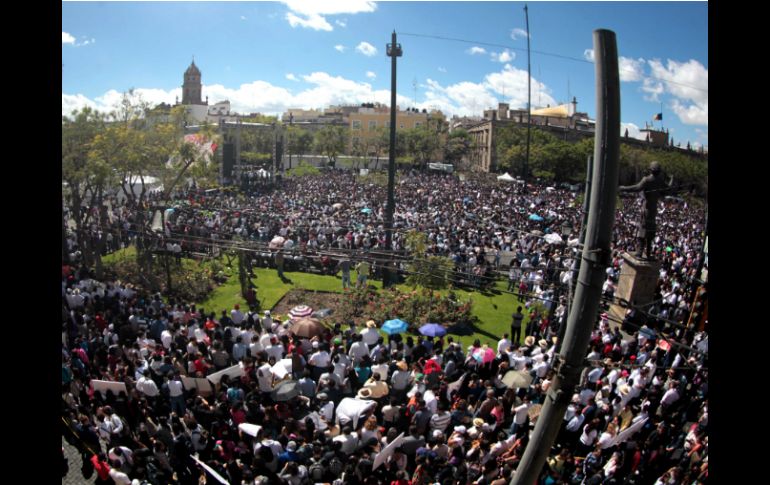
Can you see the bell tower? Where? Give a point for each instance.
(192, 87)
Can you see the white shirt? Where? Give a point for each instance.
(175, 388)
(670, 397)
(357, 351)
(520, 416)
(349, 443)
(503, 344)
(147, 387)
(166, 337)
(119, 477)
(237, 316)
(320, 359)
(370, 336)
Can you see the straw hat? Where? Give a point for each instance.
(371, 324)
(478, 422)
(402, 365)
(543, 343)
(624, 389)
(364, 393)
(529, 341)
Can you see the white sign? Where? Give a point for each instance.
(386, 452)
(203, 386)
(234, 371)
(282, 368)
(250, 429)
(104, 386)
(628, 432)
(211, 471)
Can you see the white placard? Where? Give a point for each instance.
(234, 371)
(386, 452)
(211, 471)
(104, 386)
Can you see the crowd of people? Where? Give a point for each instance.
(639, 416)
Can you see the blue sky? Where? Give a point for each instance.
(270, 56)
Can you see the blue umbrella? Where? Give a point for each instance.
(395, 326)
(433, 330)
(366, 210)
(535, 217)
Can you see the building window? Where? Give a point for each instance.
(416, 124)
(372, 125)
(356, 124)
(402, 126)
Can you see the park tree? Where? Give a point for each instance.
(86, 179)
(330, 141)
(458, 145)
(298, 141)
(433, 272)
(421, 143)
(380, 144)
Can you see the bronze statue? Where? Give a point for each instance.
(653, 186)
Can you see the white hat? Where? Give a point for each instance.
(460, 429)
(315, 345)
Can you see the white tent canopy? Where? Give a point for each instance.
(506, 177)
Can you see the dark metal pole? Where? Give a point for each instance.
(529, 97)
(581, 240)
(393, 51)
(596, 255)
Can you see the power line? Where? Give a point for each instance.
(550, 54)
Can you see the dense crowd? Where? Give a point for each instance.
(639, 416)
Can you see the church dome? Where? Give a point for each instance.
(192, 70)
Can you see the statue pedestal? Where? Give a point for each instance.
(636, 285)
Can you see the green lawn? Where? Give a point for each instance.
(493, 310)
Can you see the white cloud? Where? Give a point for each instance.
(469, 98)
(291, 77)
(243, 17)
(371, 75)
(340, 47)
(67, 38)
(631, 69)
(315, 22)
(633, 131)
(653, 88)
(366, 49)
(441, 69)
(341, 23)
(518, 34)
(688, 83)
(310, 13)
(588, 54)
(476, 50)
(505, 56)
(464, 98)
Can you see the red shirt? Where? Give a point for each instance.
(101, 468)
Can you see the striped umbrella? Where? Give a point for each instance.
(300, 311)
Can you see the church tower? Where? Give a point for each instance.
(191, 89)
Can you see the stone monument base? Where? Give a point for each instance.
(636, 286)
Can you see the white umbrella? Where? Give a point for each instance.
(553, 238)
(300, 311)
